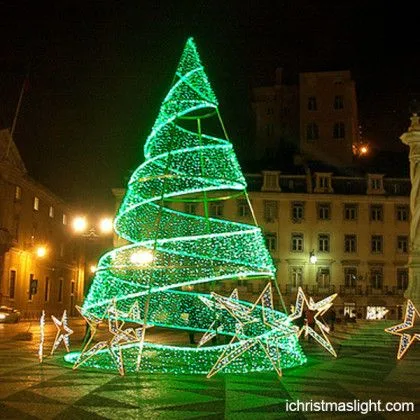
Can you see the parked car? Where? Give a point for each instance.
(8, 314)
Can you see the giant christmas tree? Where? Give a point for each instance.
(151, 281)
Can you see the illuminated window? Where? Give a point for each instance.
(36, 203)
(64, 219)
(18, 193)
(51, 212)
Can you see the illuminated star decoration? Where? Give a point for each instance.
(41, 337)
(320, 308)
(406, 340)
(252, 329)
(215, 325)
(118, 338)
(63, 332)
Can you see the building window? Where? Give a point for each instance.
(64, 219)
(12, 284)
(338, 102)
(271, 241)
(350, 276)
(270, 111)
(47, 289)
(216, 210)
(312, 103)
(243, 208)
(298, 212)
(16, 225)
(271, 181)
(323, 183)
(376, 244)
(376, 213)
(401, 213)
(190, 208)
(402, 278)
(312, 131)
(31, 283)
(36, 203)
(18, 193)
(51, 212)
(350, 211)
(60, 289)
(72, 288)
(376, 183)
(269, 129)
(296, 276)
(270, 210)
(324, 211)
(376, 277)
(297, 242)
(323, 277)
(62, 250)
(350, 243)
(402, 244)
(324, 242)
(339, 131)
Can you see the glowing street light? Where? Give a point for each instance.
(79, 224)
(41, 251)
(106, 225)
(92, 268)
(142, 257)
(313, 258)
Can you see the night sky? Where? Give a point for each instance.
(98, 71)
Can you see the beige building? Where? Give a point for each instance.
(319, 117)
(356, 227)
(39, 259)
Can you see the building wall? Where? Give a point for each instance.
(59, 274)
(358, 293)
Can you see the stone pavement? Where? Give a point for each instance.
(365, 369)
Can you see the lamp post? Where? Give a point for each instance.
(412, 139)
(95, 238)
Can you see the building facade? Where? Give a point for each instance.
(318, 117)
(41, 264)
(355, 228)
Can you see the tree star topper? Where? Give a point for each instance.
(253, 328)
(63, 332)
(320, 308)
(406, 339)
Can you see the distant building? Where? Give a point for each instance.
(33, 222)
(318, 118)
(357, 227)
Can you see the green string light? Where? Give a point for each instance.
(170, 250)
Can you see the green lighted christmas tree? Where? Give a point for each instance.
(151, 281)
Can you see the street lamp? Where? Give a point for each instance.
(79, 224)
(312, 257)
(41, 251)
(105, 225)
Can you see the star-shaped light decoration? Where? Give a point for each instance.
(320, 308)
(406, 339)
(118, 338)
(215, 325)
(63, 332)
(252, 329)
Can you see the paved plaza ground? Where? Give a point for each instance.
(366, 369)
